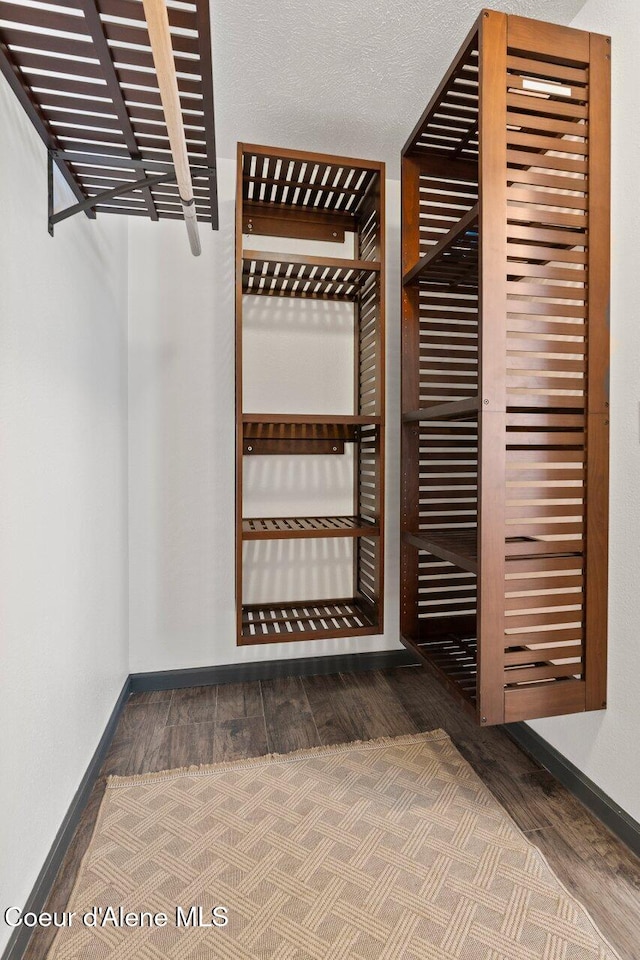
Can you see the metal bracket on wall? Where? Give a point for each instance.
(165, 175)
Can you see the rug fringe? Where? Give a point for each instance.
(204, 769)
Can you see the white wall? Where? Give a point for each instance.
(63, 547)
(182, 435)
(604, 745)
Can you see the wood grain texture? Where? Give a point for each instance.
(335, 722)
(240, 738)
(135, 732)
(181, 745)
(193, 705)
(290, 723)
(598, 348)
(238, 700)
(375, 710)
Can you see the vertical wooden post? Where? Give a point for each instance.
(492, 378)
(410, 432)
(599, 164)
(239, 404)
(381, 379)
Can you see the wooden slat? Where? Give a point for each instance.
(543, 654)
(307, 527)
(206, 68)
(544, 700)
(291, 275)
(556, 42)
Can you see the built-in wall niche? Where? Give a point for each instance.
(310, 395)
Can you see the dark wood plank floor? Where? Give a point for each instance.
(176, 728)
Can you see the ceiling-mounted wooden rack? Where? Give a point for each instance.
(88, 79)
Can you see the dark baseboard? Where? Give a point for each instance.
(270, 670)
(20, 937)
(602, 806)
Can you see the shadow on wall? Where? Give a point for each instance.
(289, 570)
(298, 356)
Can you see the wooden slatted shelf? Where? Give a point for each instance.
(297, 181)
(279, 528)
(454, 657)
(449, 125)
(306, 620)
(316, 278)
(455, 410)
(459, 547)
(454, 259)
(467, 409)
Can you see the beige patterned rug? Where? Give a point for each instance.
(363, 851)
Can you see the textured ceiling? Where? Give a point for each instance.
(341, 76)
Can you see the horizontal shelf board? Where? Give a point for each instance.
(455, 410)
(455, 546)
(454, 259)
(299, 181)
(269, 428)
(306, 260)
(311, 418)
(460, 547)
(453, 659)
(289, 275)
(278, 528)
(291, 444)
(265, 623)
(278, 220)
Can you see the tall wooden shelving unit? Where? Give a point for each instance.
(309, 196)
(505, 206)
